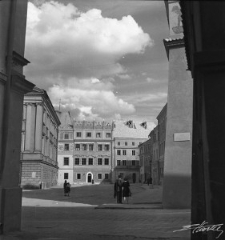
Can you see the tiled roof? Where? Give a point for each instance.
(65, 118)
(130, 129)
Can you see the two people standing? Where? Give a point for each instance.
(122, 190)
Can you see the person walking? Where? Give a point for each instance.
(68, 189)
(126, 190)
(118, 190)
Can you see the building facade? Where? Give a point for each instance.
(127, 136)
(146, 160)
(86, 156)
(39, 141)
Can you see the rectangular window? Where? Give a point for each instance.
(106, 161)
(118, 143)
(78, 134)
(118, 162)
(66, 147)
(77, 147)
(133, 162)
(99, 161)
(77, 161)
(118, 152)
(124, 162)
(78, 176)
(106, 148)
(100, 147)
(133, 152)
(125, 143)
(66, 136)
(83, 161)
(124, 152)
(66, 175)
(133, 143)
(98, 135)
(84, 147)
(66, 161)
(108, 135)
(88, 134)
(106, 176)
(99, 176)
(90, 161)
(91, 147)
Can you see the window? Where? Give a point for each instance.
(77, 147)
(66, 136)
(118, 143)
(66, 147)
(83, 161)
(118, 162)
(84, 147)
(66, 161)
(125, 143)
(78, 176)
(66, 175)
(118, 152)
(133, 163)
(124, 152)
(133, 152)
(77, 161)
(98, 135)
(90, 161)
(106, 161)
(99, 176)
(99, 161)
(78, 134)
(91, 147)
(124, 162)
(100, 147)
(88, 134)
(108, 135)
(106, 176)
(133, 143)
(106, 147)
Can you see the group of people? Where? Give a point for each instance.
(122, 190)
(66, 187)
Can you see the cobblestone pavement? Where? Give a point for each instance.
(84, 221)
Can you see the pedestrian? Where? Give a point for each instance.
(150, 182)
(64, 187)
(68, 189)
(118, 189)
(126, 190)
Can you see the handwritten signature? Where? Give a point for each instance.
(202, 228)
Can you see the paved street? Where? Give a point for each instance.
(91, 213)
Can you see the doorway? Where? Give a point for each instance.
(89, 177)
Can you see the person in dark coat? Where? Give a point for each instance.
(68, 189)
(126, 190)
(64, 186)
(118, 190)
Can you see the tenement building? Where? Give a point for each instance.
(39, 140)
(85, 149)
(127, 135)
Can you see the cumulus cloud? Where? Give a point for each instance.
(89, 103)
(62, 41)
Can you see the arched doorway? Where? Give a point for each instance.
(89, 177)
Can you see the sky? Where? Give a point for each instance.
(99, 59)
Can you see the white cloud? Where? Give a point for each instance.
(62, 42)
(91, 103)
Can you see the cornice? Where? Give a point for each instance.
(171, 43)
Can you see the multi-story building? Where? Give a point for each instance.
(65, 147)
(39, 140)
(157, 172)
(145, 160)
(84, 151)
(127, 136)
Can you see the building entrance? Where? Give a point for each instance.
(89, 178)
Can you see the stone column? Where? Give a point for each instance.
(38, 128)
